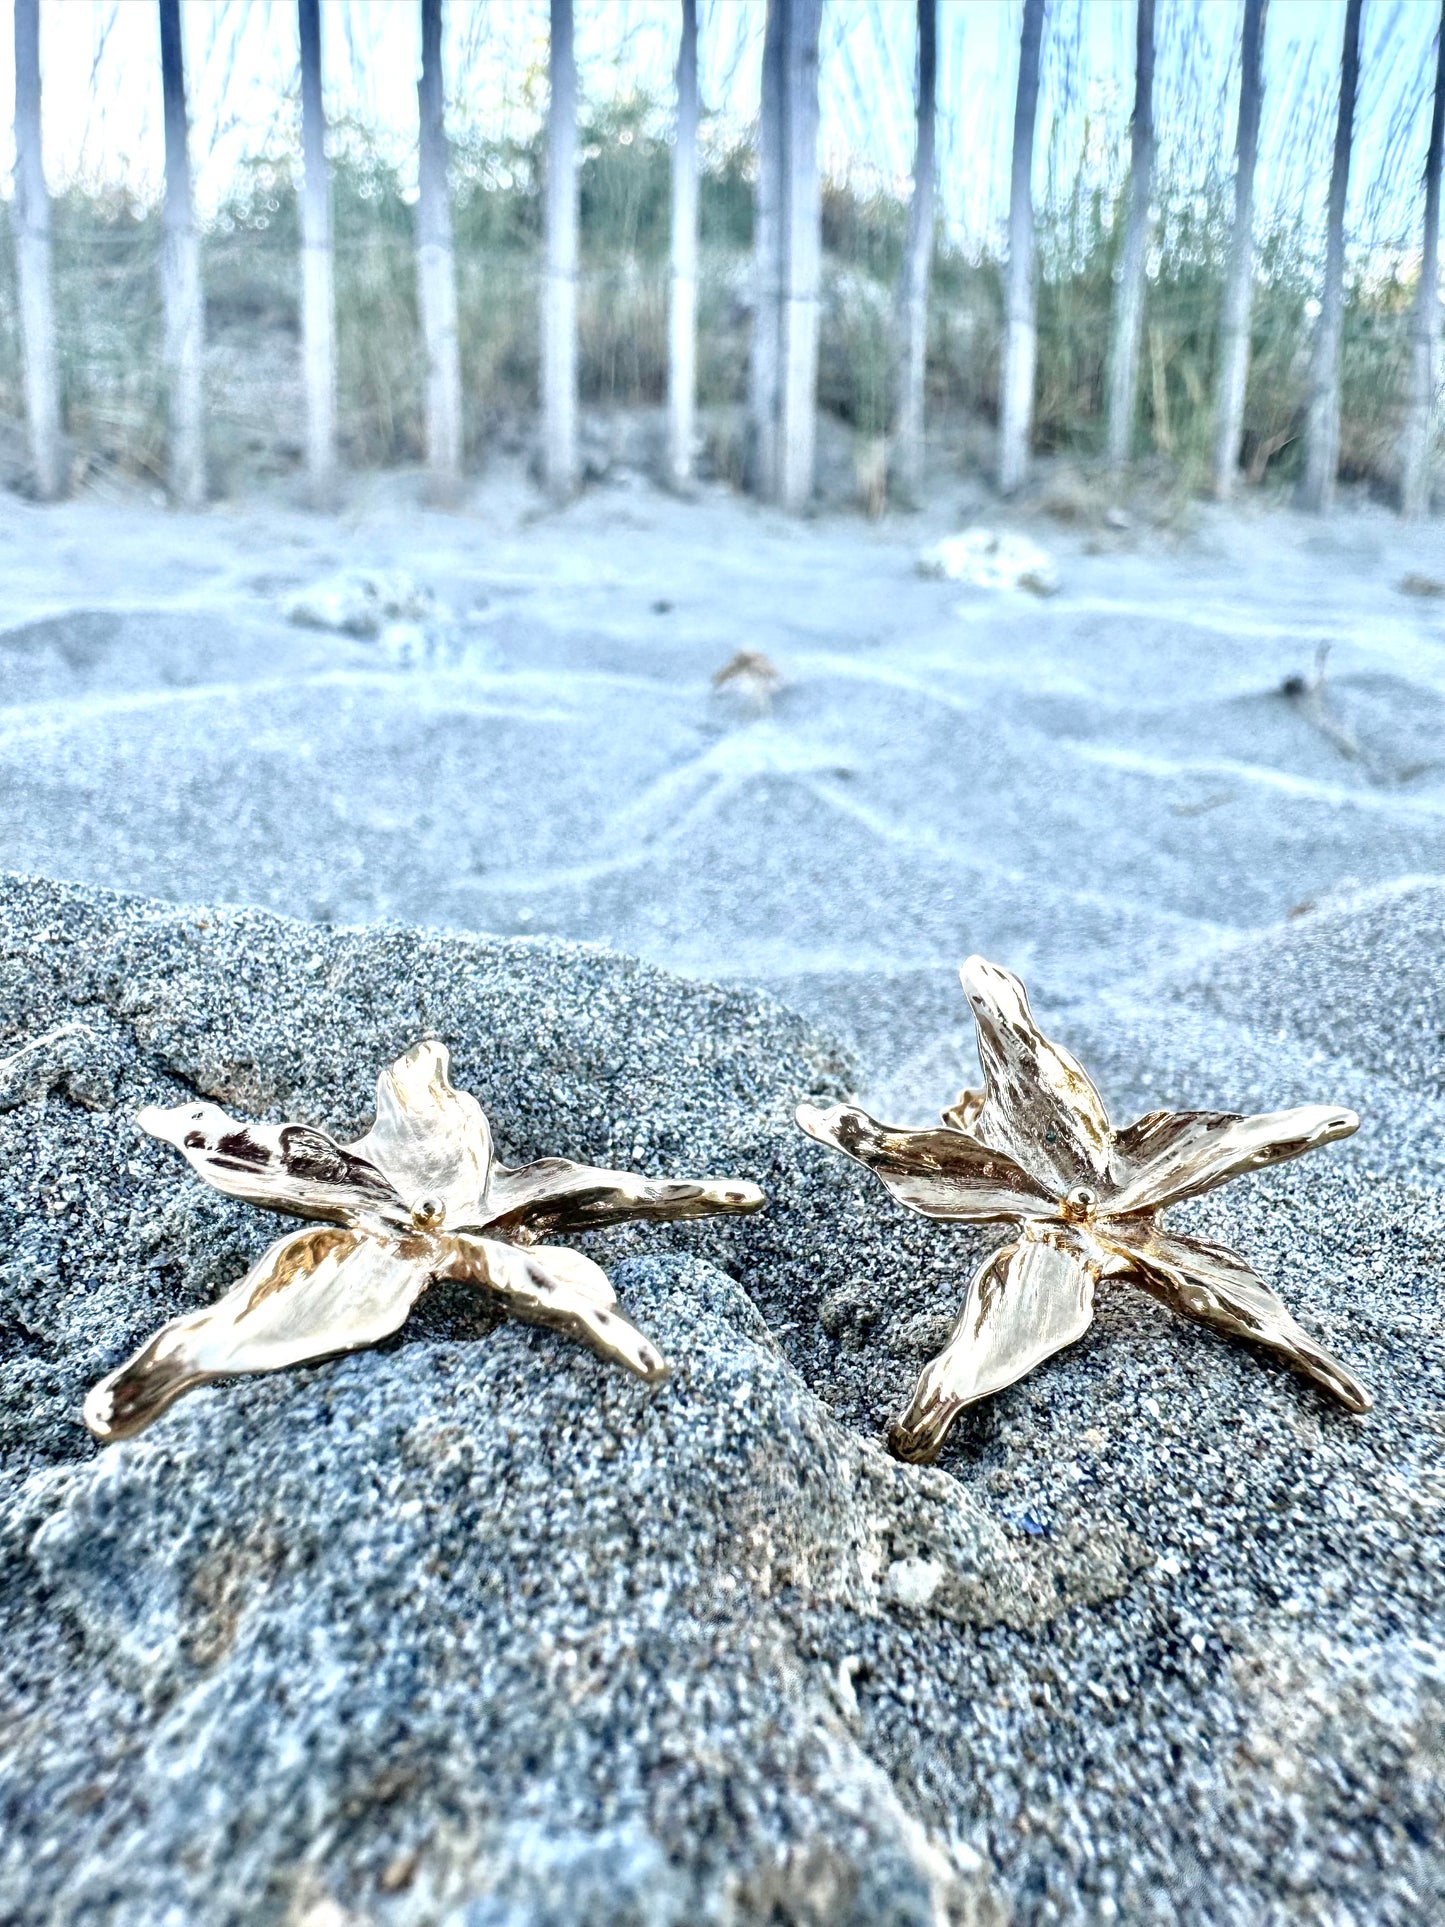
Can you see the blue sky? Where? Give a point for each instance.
(102, 94)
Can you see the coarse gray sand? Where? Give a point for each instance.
(472, 1629)
(1078, 786)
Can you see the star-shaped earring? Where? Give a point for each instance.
(1035, 1146)
(419, 1198)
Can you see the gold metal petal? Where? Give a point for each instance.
(549, 1285)
(1036, 1146)
(1024, 1303)
(285, 1167)
(430, 1140)
(1040, 1105)
(963, 1114)
(1171, 1155)
(942, 1173)
(1216, 1287)
(318, 1292)
(555, 1195)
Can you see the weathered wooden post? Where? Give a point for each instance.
(1322, 428)
(1239, 274)
(783, 379)
(908, 450)
(436, 269)
(1129, 283)
(1425, 321)
(181, 280)
(318, 309)
(31, 213)
(682, 311)
(1020, 346)
(559, 302)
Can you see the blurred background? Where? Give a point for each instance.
(795, 489)
(104, 155)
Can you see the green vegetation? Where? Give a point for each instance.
(107, 251)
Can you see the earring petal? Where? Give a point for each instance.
(550, 1285)
(1040, 1104)
(554, 1195)
(430, 1140)
(316, 1293)
(283, 1167)
(1171, 1155)
(963, 1114)
(941, 1173)
(1024, 1303)
(1216, 1287)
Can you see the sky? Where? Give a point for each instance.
(102, 88)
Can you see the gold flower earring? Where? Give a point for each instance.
(1035, 1147)
(419, 1198)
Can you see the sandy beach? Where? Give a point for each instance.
(472, 1629)
(1086, 786)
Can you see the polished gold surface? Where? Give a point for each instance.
(1035, 1147)
(420, 1197)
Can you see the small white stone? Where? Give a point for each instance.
(991, 559)
(913, 1582)
(848, 1666)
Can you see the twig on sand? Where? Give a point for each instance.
(1310, 696)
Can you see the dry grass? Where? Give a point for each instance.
(107, 250)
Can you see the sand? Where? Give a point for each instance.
(472, 1630)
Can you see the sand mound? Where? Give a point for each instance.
(473, 1629)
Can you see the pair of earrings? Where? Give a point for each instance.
(421, 1197)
